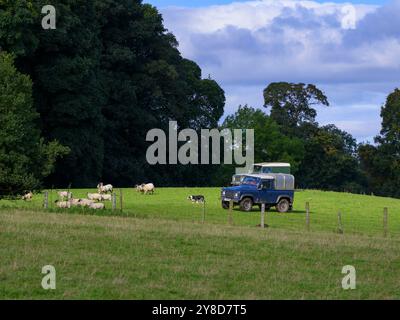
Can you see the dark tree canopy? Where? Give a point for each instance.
(381, 162)
(109, 73)
(270, 144)
(292, 104)
(24, 158)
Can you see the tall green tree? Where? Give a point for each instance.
(109, 73)
(381, 162)
(270, 144)
(330, 161)
(25, 160)
(292, 103)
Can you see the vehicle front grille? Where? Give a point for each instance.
(229, 194)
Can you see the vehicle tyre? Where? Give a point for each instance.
(225, 204)
(283, 206)
(246, 204)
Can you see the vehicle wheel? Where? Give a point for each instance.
(283, 206)
(225, 204)
(246, 204)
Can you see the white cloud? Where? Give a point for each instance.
(247, 45)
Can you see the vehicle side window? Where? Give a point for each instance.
(267, 184)
(266, 170)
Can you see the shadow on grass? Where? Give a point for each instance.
(80, 211)
(255, 209)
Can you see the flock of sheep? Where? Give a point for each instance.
(93, 200)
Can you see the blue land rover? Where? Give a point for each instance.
(274, 189)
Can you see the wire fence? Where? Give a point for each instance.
(306, 216)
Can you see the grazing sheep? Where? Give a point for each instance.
(85, 202)
(94, 196)
(104, 188)
(75, 202)
(147, 188)
(28, 196)
(106, 197)
(139, 187)
(63, 204)
(64, 194)
(97, 206)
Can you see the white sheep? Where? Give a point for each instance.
(28, 196)
(97, 206)
(63, 204)
(64, 194)
(94, 196)
(75, 202)
(147, 188)
(104, 188)
(85, 202)
(106, 197)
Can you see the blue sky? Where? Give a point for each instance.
(350, 50)
(204, 3)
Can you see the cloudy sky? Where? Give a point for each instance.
(351, 50)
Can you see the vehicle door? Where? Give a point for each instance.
(267, 191)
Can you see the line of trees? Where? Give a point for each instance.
(88, 92)
(323, 157)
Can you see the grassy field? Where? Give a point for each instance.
(157, 248)
(361, 214)
(132, 258)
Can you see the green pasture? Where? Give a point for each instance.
(361, 214)
(134, 258)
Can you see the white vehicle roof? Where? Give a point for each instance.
(283, 181)
(273, 164)
(268, 175)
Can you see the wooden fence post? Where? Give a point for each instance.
(262, 216)
(204, 211)
(308, 216)
(46, 200)
(340, 225)
(114, 201)
(230, 213)
(121, 199)
(51, 197)
(385, 222)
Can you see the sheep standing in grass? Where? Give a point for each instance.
(28, 196)
(64, 194)
(94, 196)
(147, 188)
(104, 188)
(106, 197)
(63, 204)
(97, 206)
(139, 187)
(85, 202)
(75, 202)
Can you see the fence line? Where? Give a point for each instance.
(385, 222)
(380, 224)
(308, 216)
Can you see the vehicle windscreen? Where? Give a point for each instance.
(252, 181)
(257, 169)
